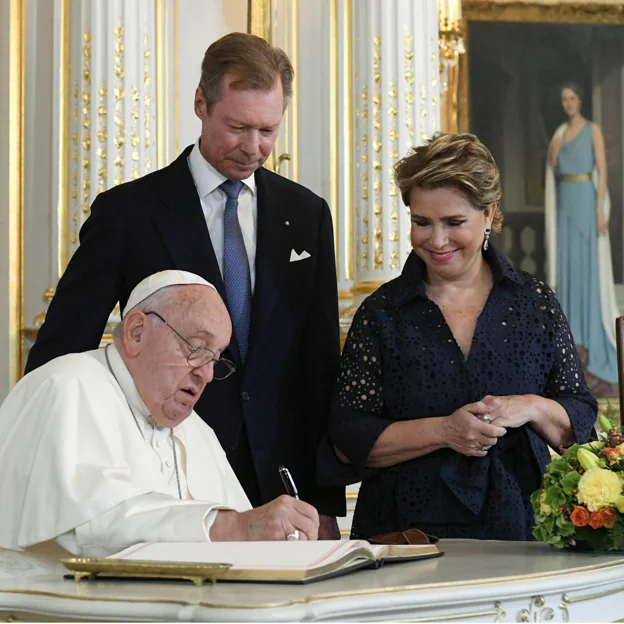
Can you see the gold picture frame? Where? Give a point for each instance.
(572, 39)
(543, 11)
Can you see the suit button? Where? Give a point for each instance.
(245, 396)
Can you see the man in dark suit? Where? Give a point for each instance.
(265, 242)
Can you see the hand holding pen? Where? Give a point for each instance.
(291, 490)
(285, 517)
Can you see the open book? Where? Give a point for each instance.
(281, 562)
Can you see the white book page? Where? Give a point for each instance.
(246, 555)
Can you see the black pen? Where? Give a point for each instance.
(287, 480)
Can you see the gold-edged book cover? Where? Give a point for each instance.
(359, 555)
(91, 567)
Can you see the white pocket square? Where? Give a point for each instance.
(294, 256)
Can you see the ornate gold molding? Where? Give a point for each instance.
(366, 287)
(16, 186)
(334, 149)
(166, 19)
(280, 160)
(347, 38)
(544, 11)
(160, 87)
(574, 599)
(164, 82)
(539, 611)
(259, 18)
(176, 81)
(62, 210)
(497, 612)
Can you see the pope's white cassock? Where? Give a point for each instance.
(76, 470)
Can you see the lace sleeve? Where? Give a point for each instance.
(357, 417)
(566, 381)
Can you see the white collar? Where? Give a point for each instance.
(128, 387)
(207, 178)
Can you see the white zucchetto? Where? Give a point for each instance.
(162, 279)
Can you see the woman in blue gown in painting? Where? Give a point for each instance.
(577, 158)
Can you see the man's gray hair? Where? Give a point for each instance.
(156, 302)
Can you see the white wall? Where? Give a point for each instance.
(40, 157)
(310, 85)
(200, 22)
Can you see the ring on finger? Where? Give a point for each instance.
(294, 536)
(485, 418)
(486, 447)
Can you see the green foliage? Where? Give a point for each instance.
(606, 424)
(569, 483)
(564, 526)
(612, 413)
(554, 503)
(555, 496)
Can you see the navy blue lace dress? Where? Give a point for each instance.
(401, 362)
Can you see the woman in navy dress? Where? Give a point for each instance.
(458, 374)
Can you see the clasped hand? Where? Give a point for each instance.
(469, 435)
(511, 411)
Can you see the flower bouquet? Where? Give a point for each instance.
(581, 502)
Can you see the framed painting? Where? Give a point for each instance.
(523, 58)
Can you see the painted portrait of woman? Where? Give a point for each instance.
(579, 266)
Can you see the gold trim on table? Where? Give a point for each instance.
(574, 599)
(498, 612)
(315, 597)
(318, 597)
(91, 567)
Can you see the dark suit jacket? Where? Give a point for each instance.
(280, 398)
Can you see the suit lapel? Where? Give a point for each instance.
(182, 226)
(183, 230)
(271, 253)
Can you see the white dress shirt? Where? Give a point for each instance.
(207, 181)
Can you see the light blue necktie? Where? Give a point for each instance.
(236, 276)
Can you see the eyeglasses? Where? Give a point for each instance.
(200, 356)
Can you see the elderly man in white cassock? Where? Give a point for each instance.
(102, 450)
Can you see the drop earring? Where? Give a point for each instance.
(486, 243)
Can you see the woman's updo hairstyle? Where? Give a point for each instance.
(458, 161)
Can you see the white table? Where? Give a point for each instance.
(474, 581)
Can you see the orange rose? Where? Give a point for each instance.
(579, 516)
(595, 519)
(608, 517)
(613, 454)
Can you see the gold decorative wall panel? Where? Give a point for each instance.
(16, 186)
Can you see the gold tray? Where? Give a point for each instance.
(90, 567)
